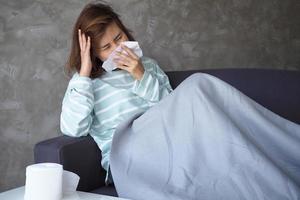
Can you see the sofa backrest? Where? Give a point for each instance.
(277, 90)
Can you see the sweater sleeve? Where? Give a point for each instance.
(77, 107)
(154, 84)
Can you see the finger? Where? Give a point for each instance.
(88, 44)
(121, 62)
(128, 61)
(79, 38)
(122, 56)
(122, 67)
(83, 41)
(129, 51)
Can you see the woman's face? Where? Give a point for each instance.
(111, 39)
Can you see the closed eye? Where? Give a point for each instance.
(105, 47)
(119, 37)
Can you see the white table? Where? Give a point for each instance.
(18, 194)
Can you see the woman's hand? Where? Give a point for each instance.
(86, 63)
(130, 62)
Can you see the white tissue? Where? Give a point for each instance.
(48, 181)
(110, 65)
(70, 182)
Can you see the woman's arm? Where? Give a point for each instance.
(77, 107)
(154, 84)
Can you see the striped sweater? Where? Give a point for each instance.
(97, 106)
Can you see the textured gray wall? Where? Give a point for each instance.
(196, 34)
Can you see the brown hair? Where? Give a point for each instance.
(93, 21)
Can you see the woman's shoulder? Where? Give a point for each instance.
(75, 77)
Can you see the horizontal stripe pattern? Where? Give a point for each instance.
(97, 106)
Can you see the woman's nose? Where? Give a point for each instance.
(114, 45)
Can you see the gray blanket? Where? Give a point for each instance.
(206, 140)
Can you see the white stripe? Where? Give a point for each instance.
(150, 70)
(64, 125)
(108, 95)
(154, 94)
(100, 88)
(161, 87)
(84, 93)
(115, 104)
(125, 84)
(147, 85)
(146, 62)
(157, 73)
(161, 75)
(115, 77)
(123, 112)
(151, 103)
(117, 115)
(86, 123)
(85, 82)
(79, 104)
(71, 112)
(135, 83)
(164, 85)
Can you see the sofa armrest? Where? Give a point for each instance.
(79, 155)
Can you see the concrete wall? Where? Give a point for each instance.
(180, 35)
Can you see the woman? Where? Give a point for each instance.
(204, 140)
(95, 101)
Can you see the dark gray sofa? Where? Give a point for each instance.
(277, 90)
